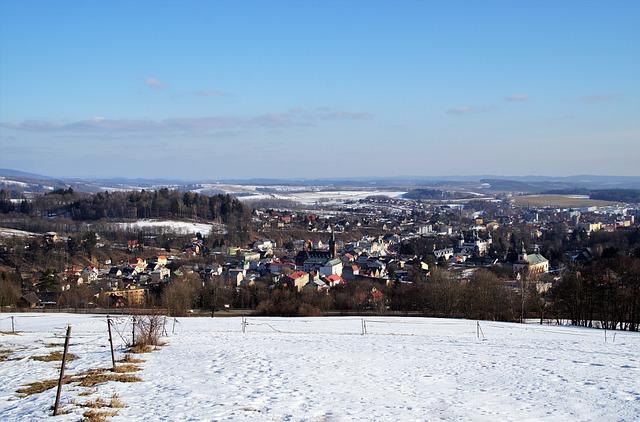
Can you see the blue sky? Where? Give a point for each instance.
(204, 89)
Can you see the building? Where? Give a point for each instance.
(296, 280)
(128, 297)
(471, 243)
(531, 264)
(331, 267)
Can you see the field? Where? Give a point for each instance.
(172, 226)
(559, 201)
(326, 369)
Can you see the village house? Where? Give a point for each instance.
(331, 267)
(138, 265)
(296, 280)
(128, 297)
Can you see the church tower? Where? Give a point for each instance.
(522, 257)
(332, 243)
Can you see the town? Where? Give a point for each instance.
(496, 257)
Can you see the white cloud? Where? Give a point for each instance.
(463, 110)
(186, 125)
(517, 97)
(210, 93)
(598, 98)
(155, 83)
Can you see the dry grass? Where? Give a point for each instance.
(54, 356)
(141, 348)
(86, 379)
(115, 402)
(130, 359)
(92, 379)
(40, 386)
(97, 416)
(88, 392)
(4, 354)
(128, 367)
(99, 403)
(9, 333)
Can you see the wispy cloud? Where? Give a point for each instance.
(464, 110)
(154, 83)
(210, 93)
(598, 98)
(187, 125)
(517, 97)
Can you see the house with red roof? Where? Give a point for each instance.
(332, 280)
(296, 280)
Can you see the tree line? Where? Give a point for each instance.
(605, 294)
(162, 203)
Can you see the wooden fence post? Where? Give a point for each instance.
(60, 381)
(113, 357)
(479, 330)
(133, 332)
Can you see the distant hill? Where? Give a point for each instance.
(435, 194)
(9, 173)
(479, 183)
(506, 185)
(619, 195)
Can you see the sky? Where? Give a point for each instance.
(278, 89)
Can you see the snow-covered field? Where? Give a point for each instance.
(306, 195)
(322, 369)
(335, 196)
(181, 227)
(7, 232)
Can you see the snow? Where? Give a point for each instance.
(326, 197)
(325, 369)
(183, 227)
(339, 196)
(9, 182)
(7, 232)
(306, 195)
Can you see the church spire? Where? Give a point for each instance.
(332, 242)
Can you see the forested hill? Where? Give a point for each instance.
(620, 195)
(162, 203)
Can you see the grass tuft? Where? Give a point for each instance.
(90, 380)
(54, 356)
(97, 403)
(40, 386)
(98, 416)
(141, 348)
(120, 369)
(4, 354)
(130, 359)
(115, 402)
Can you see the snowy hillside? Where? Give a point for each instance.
(173, 226)
(326, 369)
